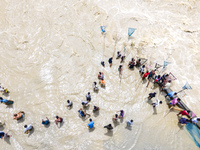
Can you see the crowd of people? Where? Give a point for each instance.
(163, 81)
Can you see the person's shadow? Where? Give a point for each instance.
(91, 129)
(121, 119)
(9, 106)
(7, 139)
(60, 124)
(116, 123)
(21, 120)
(109, 133)
(129, 127)
(70, 107)
(96, 113)
(154, 111)
(48, 125)
(31, 132)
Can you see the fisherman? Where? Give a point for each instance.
(96, 108)
(69, 104)
(151, 74)
(131, 63)
(138, 63)
(5, 101)
(85, 103)
(120, 69)
(88, 96)
(19, 115)
(58, 119)
(195, 120)
(151, 95)
(142, 69)
(95, 88)
(46, 122)
(121, 115)
(109, 127)
(100, 75)
(157, 79)
(166, 85)
(122, 59)
(129, 122)
(115, 117)
(164, 77)
(110, 61)
(118, 55)
(102, 63)
(102, 82)
(184, 121)
(171, 94)
(4, 135)
(82, 113)
(157, 103)
(145, 75)
(91, 123)
(174, 101)
(184, 112)
(28, 128)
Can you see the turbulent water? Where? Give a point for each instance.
(51, 51)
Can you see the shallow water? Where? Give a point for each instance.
(51, 52)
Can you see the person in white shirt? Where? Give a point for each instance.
(28, 128)
(129, 122)
(157, 103)
(69, 103)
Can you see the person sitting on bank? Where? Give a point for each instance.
(95, 88)
(96, 108)
(195, 120)
(184, 121)
(46, 122)
(19, 115)
(171, 94)
(69, 104)
(145, 75)
(28, 128)
(151, 74)
(109, 127)
(142, 69)
(58, 119)
(184, 113)
(118, 55)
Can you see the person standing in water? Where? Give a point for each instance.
(120, 69)
(46, 122)
(69, 104)
(129, 122)
(95, 88)
(28, 128)
(58, 119)
(110, 61)
(91, 123)
(88, 97)
(118, 55)
(109, 127)
(122, 59)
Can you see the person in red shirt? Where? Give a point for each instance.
(183, 112)
(145, 75)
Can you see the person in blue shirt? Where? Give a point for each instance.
(91, 124)
(110, 61)
(46, 122)
(171, 94)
